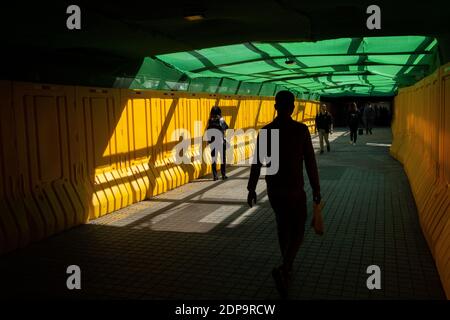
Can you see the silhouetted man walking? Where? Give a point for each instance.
(285, 188)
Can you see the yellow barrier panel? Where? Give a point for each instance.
(70, 154)
(421, 131)
(100, 135)
(44, 136)
(14, 226)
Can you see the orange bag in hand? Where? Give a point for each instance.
(317, 221)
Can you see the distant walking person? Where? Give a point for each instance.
(285, 188)
(353, 123)
(217, 122)
(369, 118)
(324, 125)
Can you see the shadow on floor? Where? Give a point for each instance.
(201, 241)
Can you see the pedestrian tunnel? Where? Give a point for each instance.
(71, 153)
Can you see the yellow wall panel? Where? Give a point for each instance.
(71, 154)
(47, 162)
(420, 141)
(445, 135)
(14, 227)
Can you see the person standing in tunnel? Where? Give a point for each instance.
(324, 125)
(285, 188)
(353, 123)
(369, 118)
(216, 121)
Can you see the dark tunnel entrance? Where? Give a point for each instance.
(339, 107)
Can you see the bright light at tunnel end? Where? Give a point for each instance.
(378, 144)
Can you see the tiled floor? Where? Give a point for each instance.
(201, 241)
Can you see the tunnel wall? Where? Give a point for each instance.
(421, 142)
(70, 154)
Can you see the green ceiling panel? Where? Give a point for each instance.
(347, 66)
(401, 59)
(386, 70)
(250, 68)
(227, 54)
(338, 46)
(393, 44)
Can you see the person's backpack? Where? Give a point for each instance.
(217, 123)
(214, 123)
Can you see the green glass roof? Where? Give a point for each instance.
(347, 66)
